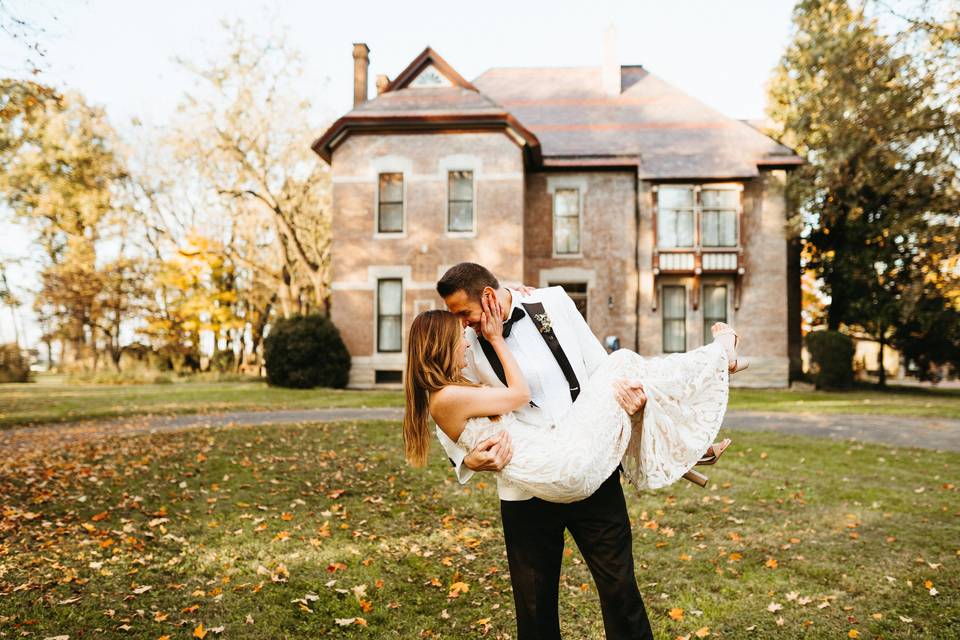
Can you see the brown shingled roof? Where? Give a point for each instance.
(674, 135)
(562, 117)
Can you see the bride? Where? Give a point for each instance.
(567, 461)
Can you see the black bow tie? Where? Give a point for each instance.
(517, 314)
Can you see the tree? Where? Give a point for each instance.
(879, 193)
(23, 27)
(10, 300)
(243, 130)
(61, 176)
(193, 294)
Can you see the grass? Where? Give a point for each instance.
(923, 402)
(51, 400)
(321, 530)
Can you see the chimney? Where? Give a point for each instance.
(610, 71)
(361, 60)
(382, 82)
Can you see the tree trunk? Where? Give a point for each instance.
(881, 371)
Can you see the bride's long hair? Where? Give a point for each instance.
(431, 365)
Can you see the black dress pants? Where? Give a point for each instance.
(533, 532)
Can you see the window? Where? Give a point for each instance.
(675, 206)
(674, 319)
(460, 201)
(389, 315)
(577, 292)
(381, 376)
(714, 308)
(718, 221)
(390, 203)
(566, 221)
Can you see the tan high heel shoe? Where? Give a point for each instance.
(736, 366)
(718, 449)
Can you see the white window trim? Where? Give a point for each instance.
(694, 210)
(387, 273)
(698, 211)
(714, 282)
(686, 312)
(738, 214)
(460, 162)
(567, 182)
(446, 223)
(385, 235)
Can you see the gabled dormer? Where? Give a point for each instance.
(429, 70)
(427, 96)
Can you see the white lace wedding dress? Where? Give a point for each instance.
(686, 399)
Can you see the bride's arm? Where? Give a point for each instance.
(454, 405)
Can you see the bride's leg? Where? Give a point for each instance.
(724, 335)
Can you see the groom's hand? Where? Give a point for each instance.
(630, 395)
(492, 454)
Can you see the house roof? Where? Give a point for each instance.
(562, 118)
(672, 134)
(401, 107)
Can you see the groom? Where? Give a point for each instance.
(557, 353)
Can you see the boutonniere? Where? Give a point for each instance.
(543, 323)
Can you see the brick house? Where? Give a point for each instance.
(658, 214)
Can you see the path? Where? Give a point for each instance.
(928, 433)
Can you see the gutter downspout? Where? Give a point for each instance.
(636, 254)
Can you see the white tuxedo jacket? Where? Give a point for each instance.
(581, 347)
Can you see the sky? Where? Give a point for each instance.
(122, 54)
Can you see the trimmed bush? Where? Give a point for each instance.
(831, 353)
(14, 365)
(305, 352)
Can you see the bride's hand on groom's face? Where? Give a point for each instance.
(491, 318)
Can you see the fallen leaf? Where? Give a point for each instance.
(200, 632)
(702, 632)
(676, 614)
(773, 607)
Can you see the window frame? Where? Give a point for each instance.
(698, 210)
(709, 320)
(473, 191)
(701, 210)
(403, 207)
(665, 319)
(585, 294)
(378, 316)
(553, 240)
(694, 218)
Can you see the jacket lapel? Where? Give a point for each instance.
(565, 335)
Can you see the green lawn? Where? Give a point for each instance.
(897, 400)
(322, 531)
(52, 401)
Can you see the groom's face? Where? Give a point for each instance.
(467, 310)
